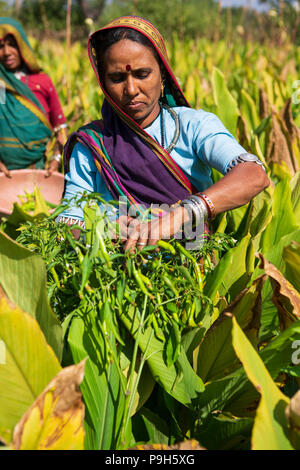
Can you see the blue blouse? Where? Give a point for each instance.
(204, 143)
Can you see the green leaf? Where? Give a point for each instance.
(183, 387)
(291, 256)
(101, 390)
(283, 220)
(223, 431)
(260, 214)
(249, 111)
(235, 393)
(295, 188)
(229, 270)
(270, 428)
(29, 365)
(227, 108)
(23, 279)
(156, 427)
(173, 344)
(293, 371)
(215, 357)
(274, 256)
(107, 315)
(41, 207)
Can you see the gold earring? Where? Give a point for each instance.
(162, 89)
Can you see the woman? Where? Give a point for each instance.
(151, 147)
(31, 111)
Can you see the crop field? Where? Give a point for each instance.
(101, 349)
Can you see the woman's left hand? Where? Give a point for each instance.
(160, 228)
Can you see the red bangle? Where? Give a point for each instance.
(209, 203)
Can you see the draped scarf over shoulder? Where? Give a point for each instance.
(131, 162)
(24, 126)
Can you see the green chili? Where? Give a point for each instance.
(195, 263)
(170, 284)
(139, 280)
(147, 281)
(167, 246)
(157, 331)
(161, 309)
(55, 277)
(102, 246)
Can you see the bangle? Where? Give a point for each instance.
(196, 208)
(244, 157)
(61, 126)
(56, 157)
(210, 205)
(200, 206)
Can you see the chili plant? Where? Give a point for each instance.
(147, 299)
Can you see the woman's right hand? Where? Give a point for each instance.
(125, 224)
(4, 170)
(159, 228)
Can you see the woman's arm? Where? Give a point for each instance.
(58, 121)
(235, 189)
(238, 187)
(212, 145)
(83, 177)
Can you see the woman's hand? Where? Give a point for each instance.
(4, 170)
(53, 166)
(140, 234)
(61, 137)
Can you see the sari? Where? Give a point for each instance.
(24, 127)
(132, 164)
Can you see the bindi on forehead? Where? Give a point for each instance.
(128, 68)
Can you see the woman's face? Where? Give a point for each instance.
(132, 78)
(10, 56)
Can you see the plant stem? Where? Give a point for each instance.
(130, 393)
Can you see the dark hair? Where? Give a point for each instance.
(103, 40)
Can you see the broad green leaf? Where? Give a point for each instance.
(261, 212)
(291, 256)
(19, 215)
(156, 427)
(293, 371)
(270, 428)
(227, 108)
(23, 279)
(283, 221)
(285, 296)
(28, 367)
(295, 188)
(229, 270)
(260, 132)
(223, 431)
(235, 393)
(55, 419)
(179, 379)
(274, 256)
(275, 253)
(280, 171)
(41, 207)
(215, 357)
(235, 218)
(249, 111)
(101, 391)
